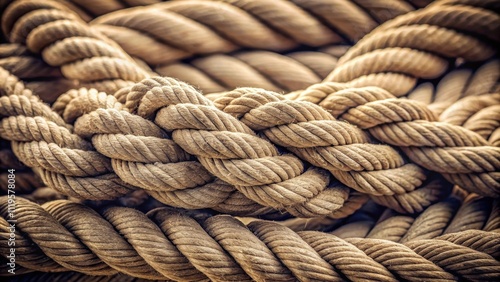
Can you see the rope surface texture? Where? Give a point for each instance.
(367, 130)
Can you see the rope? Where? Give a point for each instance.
(461, 82)
(462, 156)
(417, 44)
(200, 27)
(65, 41)
(163, 172)
(225, 255)
(262, 69)
(46, 81)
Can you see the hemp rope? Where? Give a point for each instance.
(65, 41)
(42, 140)
(262, 69)
(459, 83)
(417, 44)
(163, 173)
(46, 81)
(265, 25)
(460, 155)
(225, 255)
(440, 219)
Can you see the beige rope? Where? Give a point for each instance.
(288, 255)
(462, 156)
(417, 43)
(263, 69)
(66, 41)
(265, 25)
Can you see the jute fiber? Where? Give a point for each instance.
(312, 140)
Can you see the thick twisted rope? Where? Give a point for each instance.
(116, 133)
(459, 83)
(264, 25)
(42, 140)
(417, 44)
(65, 41)
(46, 81)
(441, 219)
(262, 69)
(462, 156)
(282, 253)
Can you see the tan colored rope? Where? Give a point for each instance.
(66, 41)
(314, 135)
(265, 25)
(116, 133)
(229, 248)
(42, 140)
(263, 69)
(46, 81)
(462, 156)
(417, 44)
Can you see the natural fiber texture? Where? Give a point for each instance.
(168, 174)
(65, 41)
(418, 43)
(42, 140)
(46, 81)
(263, 69)
(462, 156)
(230, 248)
(458, 83)
(179, 29)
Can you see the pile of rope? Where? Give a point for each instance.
(245, 140)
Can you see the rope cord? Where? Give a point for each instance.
(225, 255)
(65, 41)
(462, 156)
(264, 25)
(417, 44)
(262, 69)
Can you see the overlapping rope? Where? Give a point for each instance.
(252, 152)
(230, 248)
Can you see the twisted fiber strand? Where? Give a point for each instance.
(439, 40)
(49, 29)
(225, 147)
(42, 139)
(283, 254)
(272, 71)
(167, 91)
(449, 90)
(167, 173)
(306, 194)
(463, 156)
(313, 134)
(440, 22)
(485, 122)
(485, 78)
(382, 11)
(395, 59)
(465, 108)
(462, 82)
(25, 180)
(266, 25)
(25, 65)
(446, 217)
(423, 93)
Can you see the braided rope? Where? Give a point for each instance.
(282, 253)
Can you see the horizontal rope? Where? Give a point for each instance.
(315, 255)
